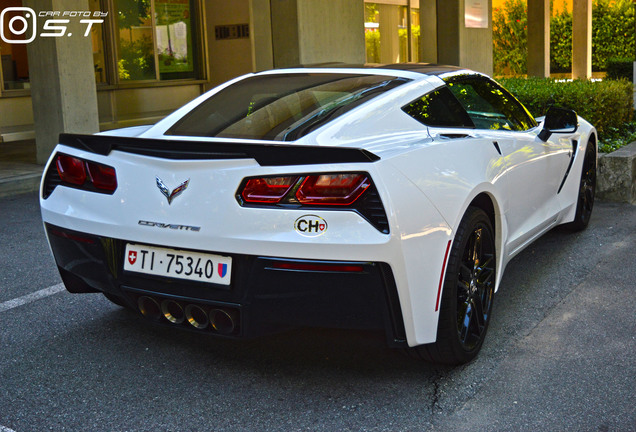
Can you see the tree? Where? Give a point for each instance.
(510, 38)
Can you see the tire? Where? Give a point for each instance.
(587, 190)
(468, 293)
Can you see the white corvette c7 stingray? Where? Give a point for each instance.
(386, 198)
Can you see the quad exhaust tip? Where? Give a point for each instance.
(223, 321)
(149, 308)
(196, 316)
(173, 311)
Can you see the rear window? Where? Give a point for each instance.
(281, 107)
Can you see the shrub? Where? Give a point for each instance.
(612, 35)
(612, 31)
(615, 138)
(561, 42)
(620, 68)
(606, 104)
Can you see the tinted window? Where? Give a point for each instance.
(489, 105)
(281, 107)
(439, 108)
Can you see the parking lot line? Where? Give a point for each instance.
(5, 429)
(10, 304)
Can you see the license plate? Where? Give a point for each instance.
(178, 264)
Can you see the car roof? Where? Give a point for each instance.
(422, 68)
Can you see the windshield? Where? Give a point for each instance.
(281, 107)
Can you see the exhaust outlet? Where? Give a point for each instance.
(196, 316)
(149, 308)
(223, 321)
(172, 311)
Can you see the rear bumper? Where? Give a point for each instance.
(264, 295)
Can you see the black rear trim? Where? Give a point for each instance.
(264, 154)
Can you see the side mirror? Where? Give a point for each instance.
(558, 120)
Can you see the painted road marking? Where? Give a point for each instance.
(5, 429)
(10, 304)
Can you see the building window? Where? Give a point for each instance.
(98, 44)
(15, 65)
(155, 40)
(392, 31)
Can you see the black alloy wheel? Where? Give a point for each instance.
(468, 293)
(475, 287)
(587, 190)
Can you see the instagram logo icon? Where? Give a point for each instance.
(18, 25)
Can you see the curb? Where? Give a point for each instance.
(616, 175)
(19, 184)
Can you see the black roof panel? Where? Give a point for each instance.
(423, 68)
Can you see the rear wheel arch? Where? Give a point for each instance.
(486, 202)
(467, 293)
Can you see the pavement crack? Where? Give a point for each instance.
(435, 381)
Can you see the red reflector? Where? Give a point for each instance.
(71, 236)
(102, 176)
(267, 189)
(347, 268)
(441, 277)
(332, 189)
(70, 169)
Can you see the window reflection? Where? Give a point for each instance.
(155, 39)
(97, 44)
(387, 35)
(15, 65)
(490, 106)
(439, 108)
(136, 59)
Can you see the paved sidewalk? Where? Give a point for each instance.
(17, 178)
(18, 171)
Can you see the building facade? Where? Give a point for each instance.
(149, 57)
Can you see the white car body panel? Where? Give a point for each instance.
(425, 181)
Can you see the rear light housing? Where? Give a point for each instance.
(353, 191)
(332, 189)
(267, 189)
(341, 189)
(79, 173)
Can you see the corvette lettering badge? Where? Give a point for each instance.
(175, 193)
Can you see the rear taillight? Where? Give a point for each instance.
(267, 189)
(71, 170)
(350, 191)
(332, 189)
(102, 176)
(78, 173)
(316, 190)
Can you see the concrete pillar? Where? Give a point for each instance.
(261, 35)
(317, 31)
(389, 42)
(448, 31)
(461, 46)
(582, 39)
(539, 38)
(61, 70)
(428, 31)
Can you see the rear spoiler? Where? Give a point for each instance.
(264, 154)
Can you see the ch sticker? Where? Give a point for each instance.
(310, 226)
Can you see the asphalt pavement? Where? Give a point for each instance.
(560, 354)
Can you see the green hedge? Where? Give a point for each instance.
(606, 104)
(618, 68)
